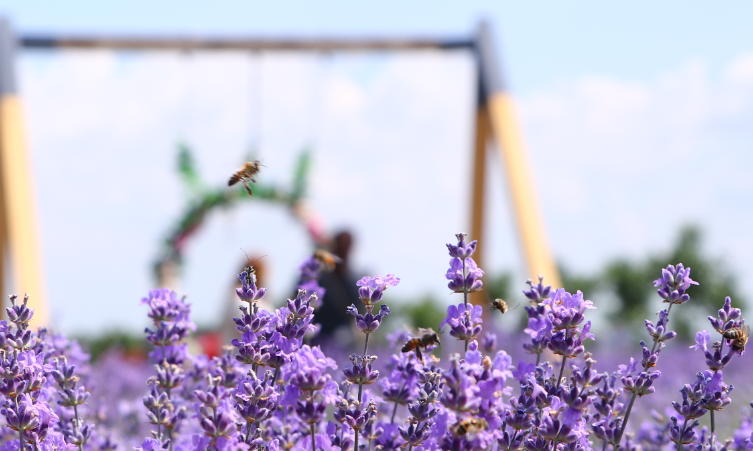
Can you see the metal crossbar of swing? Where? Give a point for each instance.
(495, 122)
(260, 44)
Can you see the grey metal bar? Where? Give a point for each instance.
(31, 41)
(489, 72)
(7, 56)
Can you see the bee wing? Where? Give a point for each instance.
(422, 331)
(746, 331)
(410, 330)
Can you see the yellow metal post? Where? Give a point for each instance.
(20, 227)
(507, 134)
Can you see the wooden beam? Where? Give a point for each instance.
(533, 237)
(509, 138)
(478, 195)
(19, 213)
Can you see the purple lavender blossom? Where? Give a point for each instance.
(673, 284)
(171, 316)
(311, 270)
(22, 380)
(464, 320)
(237, 405)
(464, 276)
(675, 280)
(462, 250)
(217, 417)
(539, 292)
(71, 396)
(369, 322)
(248, 292)
(361, 371)
(372, 288)
(489, 342)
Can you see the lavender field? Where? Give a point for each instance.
(463, 387)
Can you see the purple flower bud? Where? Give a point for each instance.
(372, 287)
(643, 384)
(537, 293)
(683, 436)
(310, 412)
(369, 322)
(489, 342)
(461, 250)
(415, 434)
(553, 429)
(361, 371)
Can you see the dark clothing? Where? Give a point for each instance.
(341, 293)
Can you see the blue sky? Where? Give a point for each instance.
(542, 43)
(623, 107)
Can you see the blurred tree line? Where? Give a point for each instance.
(623, 287)
(628, 285)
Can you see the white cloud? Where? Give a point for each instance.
(639, 159)
(619, 165)
(104, 129)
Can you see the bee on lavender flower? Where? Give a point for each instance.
(738, 335)
(427, 338)
(469, 425)
(249, 269)
(327, 260)
(246, 174)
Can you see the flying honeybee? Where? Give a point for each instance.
(428, 338)
(739, 337)
(245, 174)
(327, 259)
(499, 304)
(469, 425)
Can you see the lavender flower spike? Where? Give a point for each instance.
(464, 278)
(464, 320)
(539, 292)
(674, 281)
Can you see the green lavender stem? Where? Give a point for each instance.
(78, 424)
(682, 434)
(399, 395)
(562, 371)
(465, 300)
(360, 390)
(248, 431)
(21, 445)
(632, 399)
(562, 368)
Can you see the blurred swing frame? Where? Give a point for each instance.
(495, 123)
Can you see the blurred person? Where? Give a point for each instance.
(341, 292)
